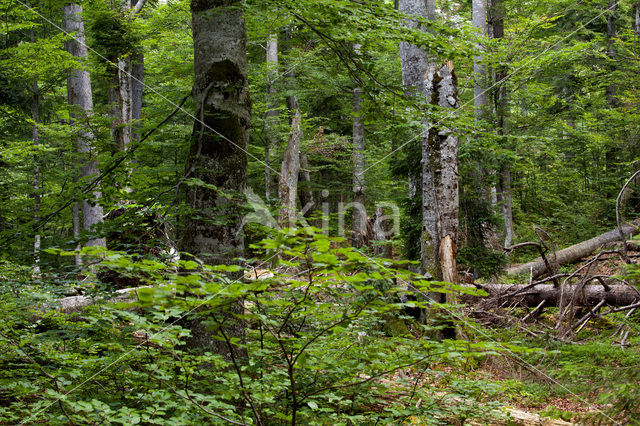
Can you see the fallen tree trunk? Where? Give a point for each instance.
(614, 295)
(77, 303)
(575, 252)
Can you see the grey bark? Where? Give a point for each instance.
(80, 99)
(137, 92)
(35, 115)
(290, 169)
(414, 61)
(611, 51)
(444, 142)
(577, 251)
(217, 157)
(307, 200)
(616, 295)
(359, 212)
(480, 99)
(500, 106)
(429, 241)
(413, 58)
(271, 119)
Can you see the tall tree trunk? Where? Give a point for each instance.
(137, 79)
(611, 51)
(290, 169)
(80, 98)
(413, 61)
(35, 114)
(271, 119)
(218, 157)
(430, 238)
(445, 144)
(500, 106)
(359, 211)
(480, 99)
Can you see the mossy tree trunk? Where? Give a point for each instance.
(218, 152)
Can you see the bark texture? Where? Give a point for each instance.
(290, 168)
(480, 98)
(359, 212)
(218, 153)
(271, 119)
(440, 180)
(577, 251)
(35, 115)
(413, 58)
(80, 98)
(590, 295)
(500, 107)
(218, 150)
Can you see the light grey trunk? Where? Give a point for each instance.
(359, 211)
(271, 119)
(507, 210)
(306, 195)
(430, 237)
(480, 99)
(611, 51)
(137, 91)
(413, 62)
(221, 92)
(80, 98)
(125, 115)
(290, 169)
(35, 114)
(445, 142)
(413, 59)
(75, 219)
(500, 106)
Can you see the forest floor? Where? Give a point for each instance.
(588, 377)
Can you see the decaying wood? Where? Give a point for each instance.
(522, 418)
(532, 296)
(577, 251)
(77, 303)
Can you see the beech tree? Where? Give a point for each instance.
(81, 101)
(217, 157)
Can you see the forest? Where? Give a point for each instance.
(319, 212)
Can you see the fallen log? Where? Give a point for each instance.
(77, 303)
(576, 252)
(548, 295)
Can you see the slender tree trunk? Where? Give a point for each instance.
(359, 211)
(290, 169)
(611, 51)
(500, 106)
(35, 114)
(307, 200)
(80, 98)
(218, 157)
(271, 119)
(75, 218)
(480, 99)
(413, 61)
(137, 92)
